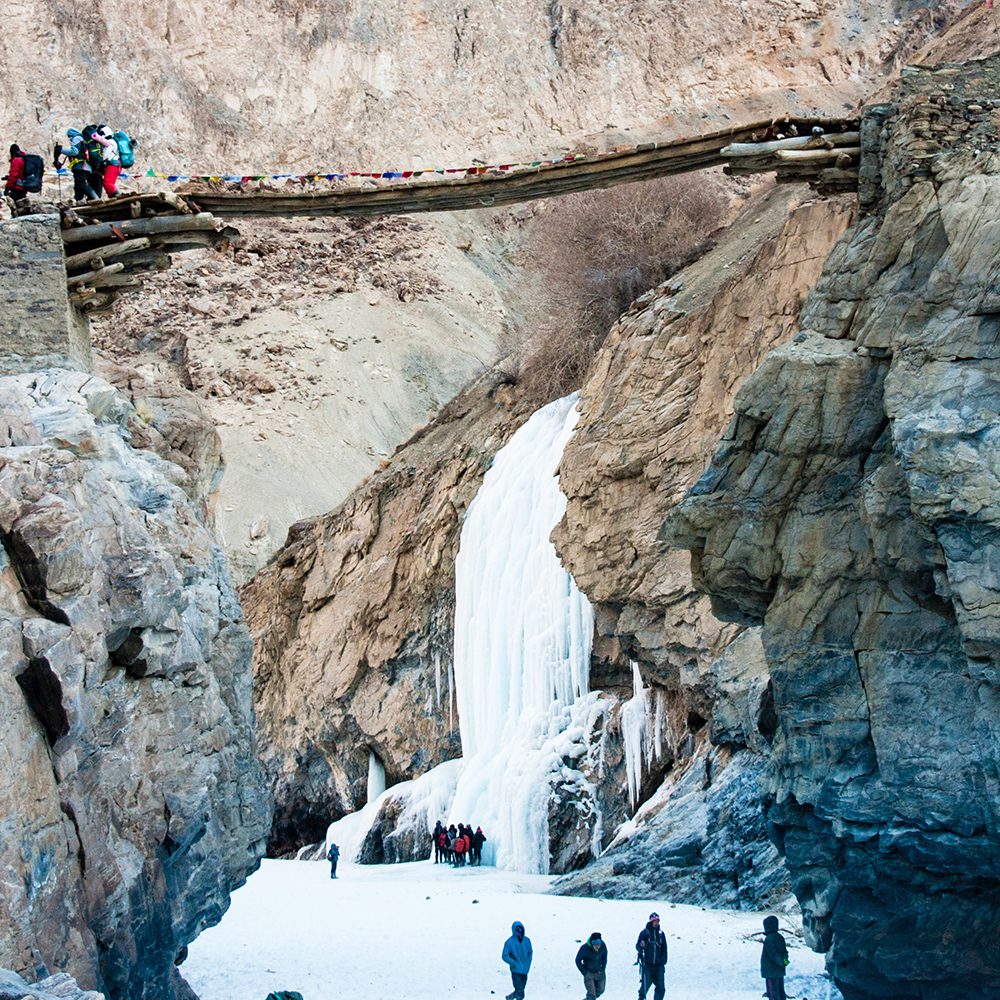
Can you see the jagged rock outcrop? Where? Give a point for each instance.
(132, 803)
(852, 510)
(57, 987)
(655, 400)
(352, 623)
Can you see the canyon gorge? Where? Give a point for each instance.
(313, 538)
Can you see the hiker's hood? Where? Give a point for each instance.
(73, 132)
(770, 924)
(517, 926)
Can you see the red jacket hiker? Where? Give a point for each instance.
(14, 184)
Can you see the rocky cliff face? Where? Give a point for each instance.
(353, 82)
(655, 400)
(131, 800)
(352, 623)
(353, 620)
(851, 510)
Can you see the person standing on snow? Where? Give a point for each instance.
(652, 949)
(437, 841)
(517, 954)
(333, 856)
(773, 960)
(592, 961)
(478, 839)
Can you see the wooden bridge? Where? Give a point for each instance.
(821, 152)
(109, 244)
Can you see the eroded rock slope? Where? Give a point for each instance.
(851, 510)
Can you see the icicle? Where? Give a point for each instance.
(376, 776)
(633, 722)
(437, 678)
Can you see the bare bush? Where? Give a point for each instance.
(597, 251)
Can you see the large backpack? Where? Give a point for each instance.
(34, 173)
(95, 151)
(126, 154)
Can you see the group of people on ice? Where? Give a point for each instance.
(95, 154)
(651, 957)
(458, 846)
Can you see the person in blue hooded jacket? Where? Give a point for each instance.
(517, 954)
(773, 960)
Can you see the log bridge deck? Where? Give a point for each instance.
(110, 243)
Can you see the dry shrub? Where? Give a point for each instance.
(596, 252)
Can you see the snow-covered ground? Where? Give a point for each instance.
(416, 932)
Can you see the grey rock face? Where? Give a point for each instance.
(131, 800)
(853, 508)
(57, 987)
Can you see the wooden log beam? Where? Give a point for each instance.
(825, 139)
(124, 207)
(119, 281)
(816, 155)
(475, 191)
(92, 277)
(105, 253)
(147, 260)
(141, 227)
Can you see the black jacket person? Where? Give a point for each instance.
(652, 949)
(592, 961)
(773, 960)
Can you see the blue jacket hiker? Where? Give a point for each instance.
(773, 960)
(333, 856)
(517, 954)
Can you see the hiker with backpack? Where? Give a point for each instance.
(333, 856)
(118, 154)
(651, 949)
(13, 186)
(77, 156)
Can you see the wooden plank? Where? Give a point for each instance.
(106, 252)
(141, 227)
(91, 277)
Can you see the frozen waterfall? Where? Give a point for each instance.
(523, 634)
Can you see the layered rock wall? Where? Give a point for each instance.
(38, 326)
(851, 509)
(655, 400)
(131, 800)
